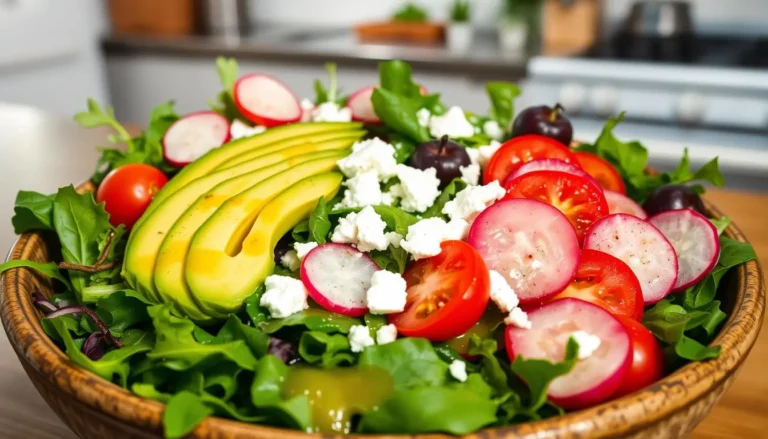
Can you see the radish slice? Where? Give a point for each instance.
(593, 379)
(362, 107)
(532, 244)
(337, 277)
(190, 137)
(620, 203)
(266, 101)
(548, 165)
(696, 243)
(641, 246)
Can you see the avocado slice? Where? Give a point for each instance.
(169, 268)
(231, 254)
(146, 238)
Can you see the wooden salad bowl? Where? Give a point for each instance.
(94, 408)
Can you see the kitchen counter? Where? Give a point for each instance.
(42, 153)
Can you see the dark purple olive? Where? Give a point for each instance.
(283, 246)
(546, 121)
(673, 197)
(446, 156)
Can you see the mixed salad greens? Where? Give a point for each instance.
(400, 256)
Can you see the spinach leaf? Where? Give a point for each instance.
(431, 409)
(32, 211)
(177, 349)
(313, 319)
(392, 259)
(184, 412)
(119, 311)
(397, 219)
(49, 269)
(404, 148)
(326, 350)
(538, 374)
(447, 353)
(319, 224)
(412, 362)
(502, 95)
(257, 313)
(300, 232)
(374, 322)
(234, 330)
(398, 112)
(449, 192)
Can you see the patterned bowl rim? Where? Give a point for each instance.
(623, 416)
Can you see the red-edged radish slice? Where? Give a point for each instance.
(593, 379)
(266, 101)
(190, 137)
(641, 246)
(696, 243)
(532, 244)
(620, 203)
(362, 107)
(337, 277)
(548, 165)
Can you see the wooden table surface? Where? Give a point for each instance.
(42, 153)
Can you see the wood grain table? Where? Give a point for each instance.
(41, 153)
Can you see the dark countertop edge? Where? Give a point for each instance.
(125, 45)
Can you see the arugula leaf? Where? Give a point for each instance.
(447, 353)
(404, 148)
(319, 224)
(96, 116)
(453, 410)
(227, 70)
(538, 374)
(449, 192)
(32, 211)
(184, 412)
(332, 93)
(326, 350)
(313, 319)
(502, 95)
(374, 322)
(300, 232)
(234, 330)
(490, 368)
(412, 362)
(221, 380)
(121, 310)
(266, 392)
(49, 269)
(392, 259)
(257, 313)
(397, 219)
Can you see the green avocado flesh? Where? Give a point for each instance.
(232, 253)
(337, 395)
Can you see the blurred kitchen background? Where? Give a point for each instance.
(688, 74)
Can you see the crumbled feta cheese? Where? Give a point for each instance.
(424, 238)
(458, 370)
(493, 130)
(283, 296)
(473, 200)
(474, 155)
(360, 338)
(370, 155)
(303, 248)
(387, 293)
(306, 109)
(519, 318)
(423, 117)
(501, 293)
(484, 153)
(362, 190)
(587, 342)
(386, 334)
(290, 260)
(458, 229)
(388, 198)
(331, 112)
(239, 130)
(394, 239)
(364, 230)
(470, 174)
(452, 124)
(418, 188)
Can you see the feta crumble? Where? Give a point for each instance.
(306, 109)
(290, 260)
(364, 230)
(346, 231)
(417, 189)
(424, 238)
(452, 124)
(458, 229)
(362, 190)
(394, 239)
(303, 248)
(493, 130)
(501, 293)
(331, 112)
(587, 342)
(387, 293)
(360, 338)
(370, 155)
(423, 116)
(519, 318)
(473, 200)
(283, 296)
(238, 130)
(470, 174)
(386, 334)
(458, 370)
(482, 154)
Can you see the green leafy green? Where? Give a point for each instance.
(257, 313)
(182, 414)
(721, 224)
(392, 259)
(448, 193)
(235, 330)
(374, 322)
(266, 394)
(314, 320)
(412, 362)
(32, 211)
(227, 70)
(319, 224)
(121, 310)
(325, 350)
(490, 367)
(49, 269)
(538, 374)
(502, 95)
(332, 93)
(300, 232)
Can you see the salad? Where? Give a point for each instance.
(268, 259)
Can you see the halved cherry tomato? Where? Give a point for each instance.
(602, 171)
(647, 358)
(519, 150)
(577, 197)
(447, 294)
(128, 190)
(607, 282)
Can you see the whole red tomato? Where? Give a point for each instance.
(128, 190)
(647, 358)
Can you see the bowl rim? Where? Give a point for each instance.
(622, 416)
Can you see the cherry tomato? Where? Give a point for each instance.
(447, 294)
(128, 190)
(602, 171)
(607, 282)
(519, 150)
(647, 358)
(580, 200)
